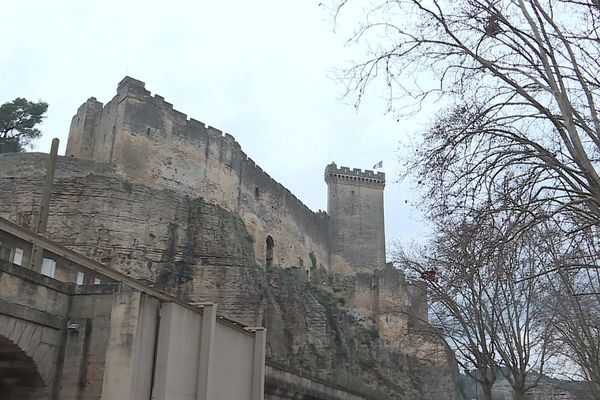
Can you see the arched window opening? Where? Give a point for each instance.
(270, 245)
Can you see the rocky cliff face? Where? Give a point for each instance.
(313, 328)
(184, 245)
(203, 252)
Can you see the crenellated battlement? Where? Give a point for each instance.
(354, 176)
(198, 129)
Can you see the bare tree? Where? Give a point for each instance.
(574, 295)
(516, 140)
(458, 311)
(491, 317)
(521, 78)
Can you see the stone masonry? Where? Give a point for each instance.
(355, 208)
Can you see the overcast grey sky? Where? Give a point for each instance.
(259, 70)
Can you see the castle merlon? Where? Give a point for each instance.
(130, 82)
(131, 86)
(91, 102)
(354, 175)
(164, 103)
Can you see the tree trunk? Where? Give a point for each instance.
(520, 395)
(519, 389)
(486, 389)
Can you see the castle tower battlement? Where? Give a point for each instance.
(354, 176)
(355, 208)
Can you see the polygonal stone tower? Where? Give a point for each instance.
(355, 207)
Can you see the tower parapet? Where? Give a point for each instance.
(354, 176)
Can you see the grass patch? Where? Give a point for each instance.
(128, 186)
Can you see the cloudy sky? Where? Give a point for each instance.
(260, 70)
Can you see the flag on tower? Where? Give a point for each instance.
(378, 165)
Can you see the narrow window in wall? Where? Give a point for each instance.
(256, 193)
(18, 258)
(48, 267)
(80, 278)
(270, 245)
(112, 143)
(96, 281)
(5, 252)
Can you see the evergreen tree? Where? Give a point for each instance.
(18, 120)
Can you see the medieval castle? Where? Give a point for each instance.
(167, 200)
(152, 144)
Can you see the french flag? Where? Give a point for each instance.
(378, 165)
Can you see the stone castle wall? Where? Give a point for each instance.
(152, 144)
(183, 245)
